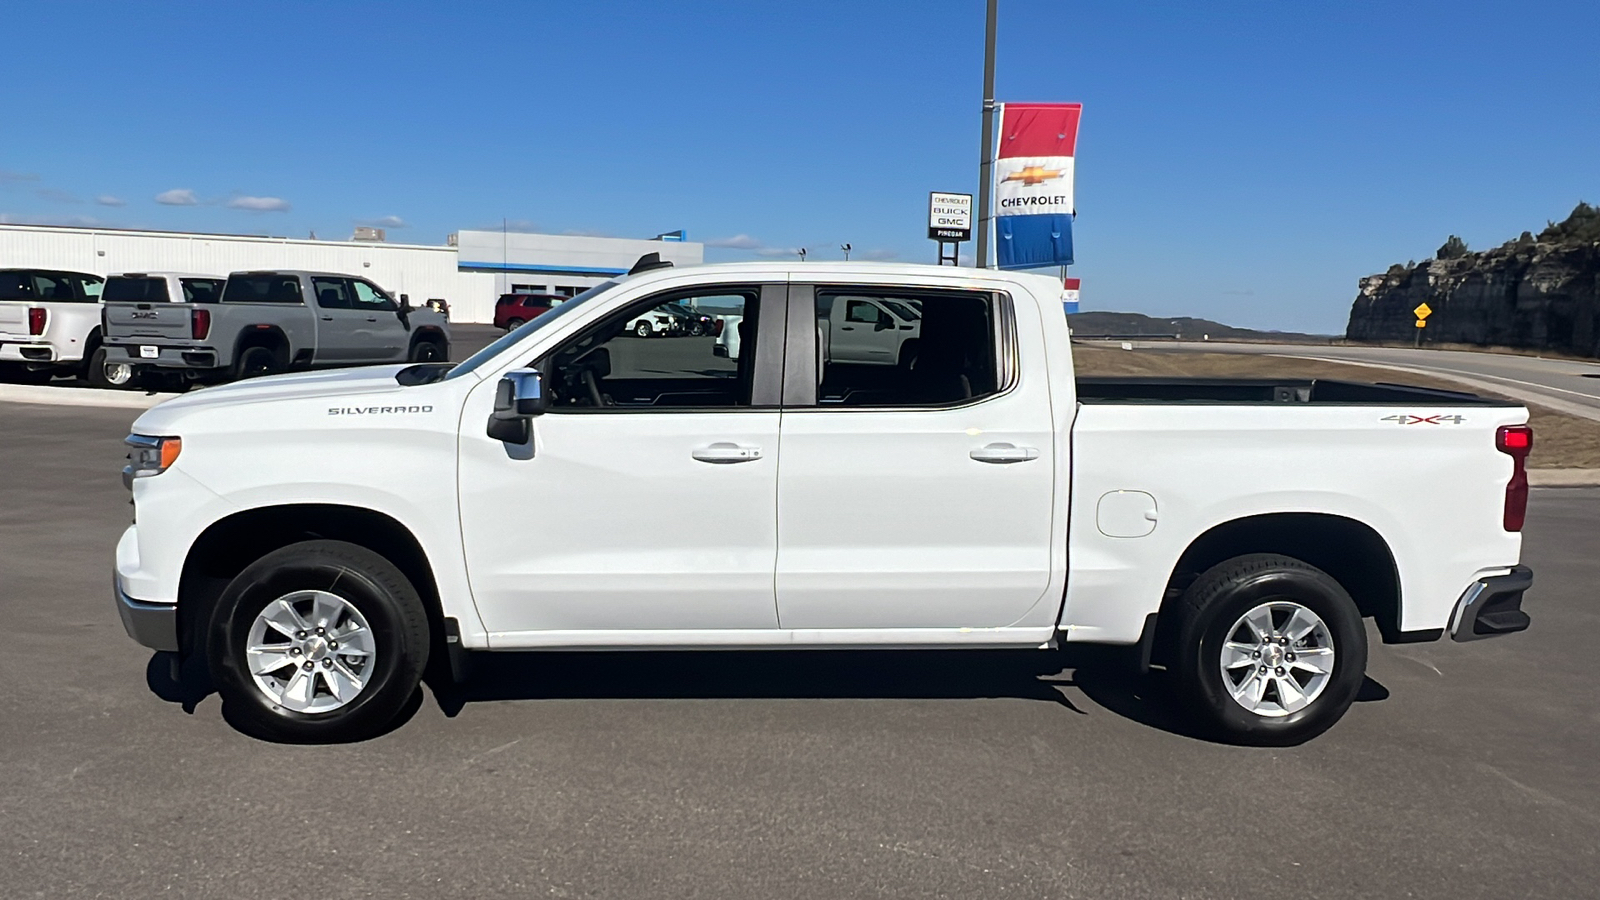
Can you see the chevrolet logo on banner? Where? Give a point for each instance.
(1033, 169)
(1034, 175)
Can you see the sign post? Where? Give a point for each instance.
(1423, 311)
(949, 223)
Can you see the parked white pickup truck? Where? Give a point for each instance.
(50, 325)
(316, 537)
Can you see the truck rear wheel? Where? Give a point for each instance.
(1271, 651)
(256, 361)
(101, 374)
(320, 641)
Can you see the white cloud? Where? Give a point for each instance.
(384, 222)
(18, 176)
(56, 196)
(737, 242)
(259, 204)
(108, 200)
(177, 197)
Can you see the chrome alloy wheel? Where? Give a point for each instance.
(1277, 658)
(310, 651)
(118, 374)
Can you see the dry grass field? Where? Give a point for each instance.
(1560, 441)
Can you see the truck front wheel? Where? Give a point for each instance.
(320, 641)
(1270, 650)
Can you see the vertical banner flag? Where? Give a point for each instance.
(1069, 293)
(1033, 170)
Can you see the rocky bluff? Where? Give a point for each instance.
(1540, 293)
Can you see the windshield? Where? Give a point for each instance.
(529, 327)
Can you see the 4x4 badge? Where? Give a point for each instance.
(1424, 420)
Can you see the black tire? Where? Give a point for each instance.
(1217, 600)
(95, 372)
(362, 578)
(513, 324)
(428, 350)
(643, 329)
(254, 362)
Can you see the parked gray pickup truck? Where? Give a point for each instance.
(269, 322)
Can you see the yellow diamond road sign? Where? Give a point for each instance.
(1423, 311)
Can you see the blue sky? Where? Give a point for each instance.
(1242, 161)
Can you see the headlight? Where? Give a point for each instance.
(149, 456)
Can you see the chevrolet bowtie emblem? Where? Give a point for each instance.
(1033, 175)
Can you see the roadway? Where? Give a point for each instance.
(1570, 386)
(1466, 772)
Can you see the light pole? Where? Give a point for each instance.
(986, 154)
(846, 249)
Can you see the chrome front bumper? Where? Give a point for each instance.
(154, 625)
(1492, 606)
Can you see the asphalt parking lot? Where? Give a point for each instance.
(1468, 771)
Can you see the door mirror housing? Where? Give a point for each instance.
(518, 397)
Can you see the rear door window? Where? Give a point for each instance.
(91, 285)
(332, 293)
(135, 290)
(201, 290)
(948, 356)
(262, 288)
(53, 286)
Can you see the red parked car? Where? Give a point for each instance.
(512, 310)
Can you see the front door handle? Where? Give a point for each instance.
(724, 453)
(1004, 453)
(327, 318)
(372, 318)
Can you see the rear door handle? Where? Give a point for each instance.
(724, 453)
(327, 318)
(1004, 453)
(372, 318)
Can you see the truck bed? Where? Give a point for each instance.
(1158, 390)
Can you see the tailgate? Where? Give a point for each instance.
(14, 317)
(148, 320)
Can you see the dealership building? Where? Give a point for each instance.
(470, 271)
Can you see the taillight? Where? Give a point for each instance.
(36, 318)
(200, 324)
(1515, 441)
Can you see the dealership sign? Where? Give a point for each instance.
(949, 217)
(1033, 174)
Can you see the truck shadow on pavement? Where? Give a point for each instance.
(1104, 676)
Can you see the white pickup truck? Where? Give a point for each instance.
(50, 325)
(317, 537)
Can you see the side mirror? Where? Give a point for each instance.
(518, 397)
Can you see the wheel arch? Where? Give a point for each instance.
(428, 333)
(270, 336)
(1350, 551)
(231, 543)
